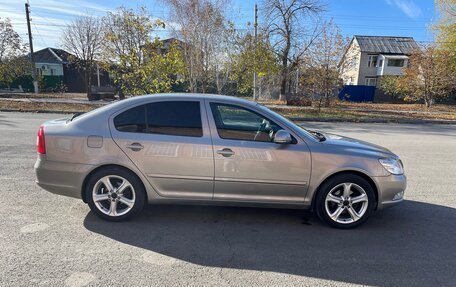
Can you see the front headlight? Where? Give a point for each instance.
(393, 166)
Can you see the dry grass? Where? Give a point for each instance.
(39, 106)
(43, 95)
(366, 113)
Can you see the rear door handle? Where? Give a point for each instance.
(226, 152)
(135, 146)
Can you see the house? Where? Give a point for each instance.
(368, 58)
(57, 66)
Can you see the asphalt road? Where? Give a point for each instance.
(50, 240)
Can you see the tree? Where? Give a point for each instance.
(202, 26)
(390, 85)
(137, 63)
(83, 37)
(248, 58)
(286, 26)
(428, 76)
(156, 74)
(447, 30)
(322, 63)
(13, 62)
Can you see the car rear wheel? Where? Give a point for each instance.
(115, 194)
(345, 201)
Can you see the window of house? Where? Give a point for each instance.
(395, 62)
(371, 81)
(179, 118)
(380, 63)
(372, 61)
(52, 72)
(238, 123)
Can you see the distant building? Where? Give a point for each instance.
(368, 58)
(58, 66)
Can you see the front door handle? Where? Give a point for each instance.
(135, 146)
(226, 152)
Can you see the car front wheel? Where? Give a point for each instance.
(345, 201)
(115, 194)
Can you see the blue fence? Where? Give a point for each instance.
(357, 93)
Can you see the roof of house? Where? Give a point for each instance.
(386, 44)
(52, 55)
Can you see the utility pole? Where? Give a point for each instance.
(32, 58)
(255, 25)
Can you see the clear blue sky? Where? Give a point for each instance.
(363, 17)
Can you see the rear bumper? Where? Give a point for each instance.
(388, 188)
(61, 177)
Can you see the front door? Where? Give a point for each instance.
(249, 166)
(170, 143)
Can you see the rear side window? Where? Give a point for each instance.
(180, 118)
(132, 120)
(174, 118)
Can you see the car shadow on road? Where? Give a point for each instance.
(412, 244)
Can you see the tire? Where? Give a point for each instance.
(122, 200)
(338, 210)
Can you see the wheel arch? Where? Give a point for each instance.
(106, 166)
(355, 172)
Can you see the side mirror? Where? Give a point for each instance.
(282, 137)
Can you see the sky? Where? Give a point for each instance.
(412, 18)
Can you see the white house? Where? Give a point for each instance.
(368, 58)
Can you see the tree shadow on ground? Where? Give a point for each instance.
(412, 244)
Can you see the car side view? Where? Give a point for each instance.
(212, 149)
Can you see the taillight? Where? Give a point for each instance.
(40, 144)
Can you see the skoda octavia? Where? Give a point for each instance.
(211, 149)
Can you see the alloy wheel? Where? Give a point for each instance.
(346, 203)
(113, 195)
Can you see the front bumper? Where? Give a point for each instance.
(61, 177)
(389, 189)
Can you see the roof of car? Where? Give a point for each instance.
(138, 100)
(195, 96)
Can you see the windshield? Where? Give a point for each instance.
(316, 135)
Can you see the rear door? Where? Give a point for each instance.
(169, 141)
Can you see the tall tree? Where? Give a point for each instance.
(249, 57)
(13, 62)
(428, 76)
(202, 26)
(322, 63)
(446, 29)
(288, 28)
(83, 37)
(157, 73)
(138, 64)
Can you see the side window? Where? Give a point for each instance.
(238, 123)
(372, 61)
(180, 118)
(132, 120)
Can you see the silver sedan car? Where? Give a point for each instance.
(211, 149)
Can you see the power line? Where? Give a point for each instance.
(39, 35)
